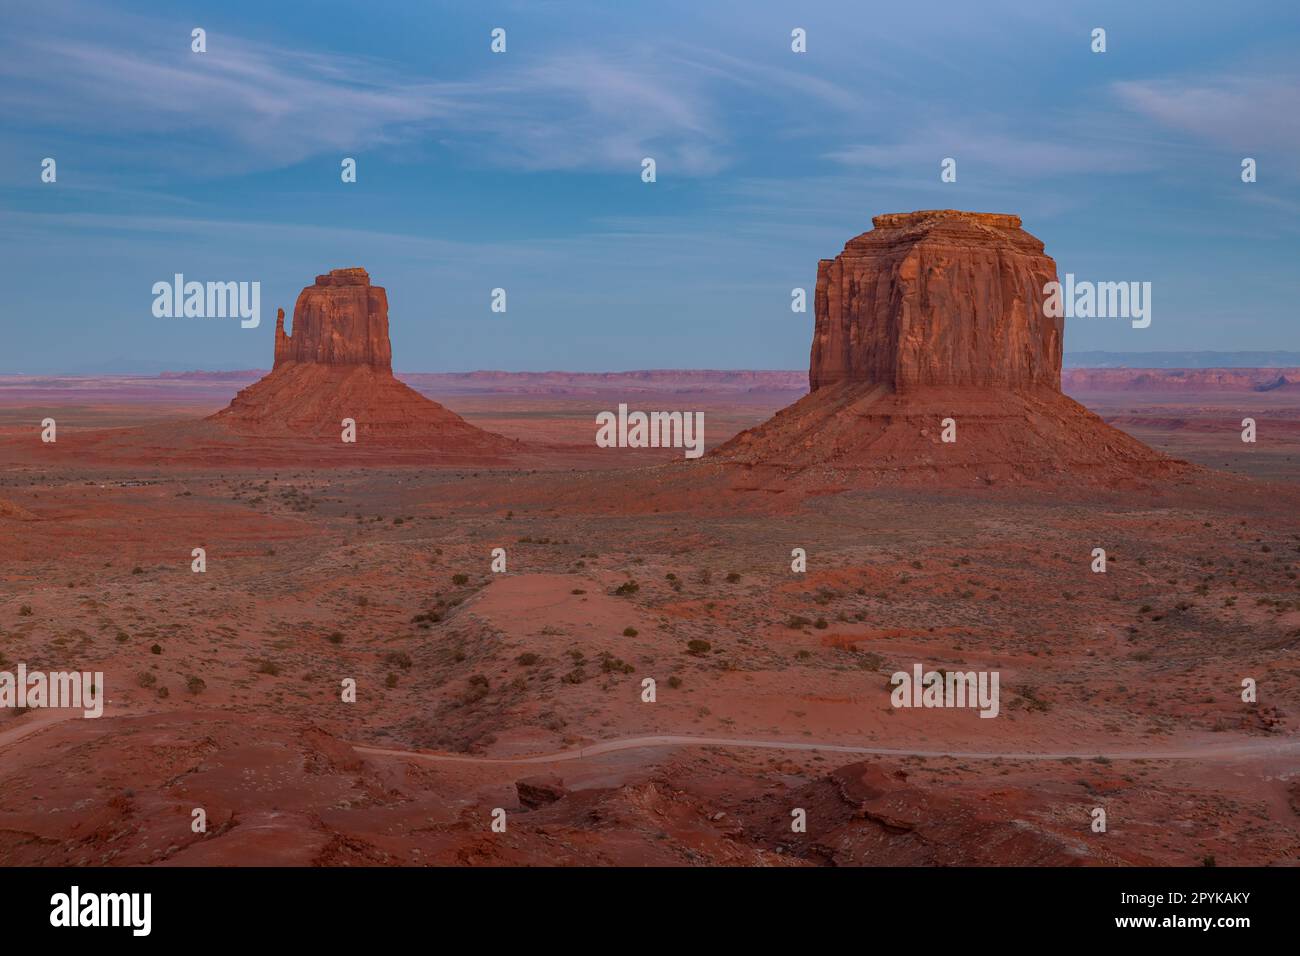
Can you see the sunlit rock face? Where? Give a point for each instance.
(937, 298)
(341, 320)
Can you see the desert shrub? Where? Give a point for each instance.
(626, 588)
(697, 646)
(1030, 700)
(674, 682)
(460, 579)
(196, 685)
(155, 649)
(527, 659)
(629, 632)
(269, 667)
(733, 577)
(476, 690)
(25, 611)
(145, 679)
(614, 665)
(335, 637)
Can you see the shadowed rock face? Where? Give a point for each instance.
(937, 298)
(341, 320)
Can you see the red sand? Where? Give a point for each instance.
(1148, 658)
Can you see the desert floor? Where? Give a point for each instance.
(523, 690)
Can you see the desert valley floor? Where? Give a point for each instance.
(479, 691)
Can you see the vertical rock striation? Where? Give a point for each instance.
(937, 298)
(337, 363)
(341, 320)
(930, 324)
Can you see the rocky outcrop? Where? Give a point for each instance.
(538, 791)
(933, 362)
(863, 815)
(13, 512)
(341, 320)
(937, 298)
(336, 364)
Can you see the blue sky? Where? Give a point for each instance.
(522, 170)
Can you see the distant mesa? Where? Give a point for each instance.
(933, 315)
(337, 363)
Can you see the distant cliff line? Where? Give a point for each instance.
(746, 381)
(717, 381)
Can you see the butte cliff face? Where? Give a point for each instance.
(932, 326)
(336, 363)
(937, 298)
(341, 320)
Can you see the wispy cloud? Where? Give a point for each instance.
(246, 105)
(1241, 111)
(1045, 152)
(589, 111)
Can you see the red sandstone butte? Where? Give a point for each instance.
(934, 315)
(937, 298)
(341, 320)
(336, 363)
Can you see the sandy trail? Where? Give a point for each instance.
(1200, 752)
(1207, 752)
(42, 720)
